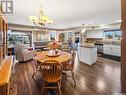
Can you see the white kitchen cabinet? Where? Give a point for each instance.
(112, 50)
(87, 54)
(88, 34)
(94, 34)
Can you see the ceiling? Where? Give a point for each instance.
(67, 13)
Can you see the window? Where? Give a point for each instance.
(53, 35)
(15, 37)
(112, 34)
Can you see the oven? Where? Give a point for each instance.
(99, 47)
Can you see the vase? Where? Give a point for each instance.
(52, 51)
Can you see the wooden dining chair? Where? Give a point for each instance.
(36, 63)
(51, 74)
(36, 67)
(69, 66)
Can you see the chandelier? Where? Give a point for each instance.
(42, 20)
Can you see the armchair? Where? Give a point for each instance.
(66, 47)
(22, 53)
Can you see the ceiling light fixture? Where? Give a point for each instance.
(42, 20)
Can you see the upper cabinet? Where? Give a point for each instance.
(94, 34)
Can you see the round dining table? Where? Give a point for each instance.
(62, 57)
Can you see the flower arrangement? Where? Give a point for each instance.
(54, 45)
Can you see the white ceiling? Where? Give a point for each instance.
(67, 13)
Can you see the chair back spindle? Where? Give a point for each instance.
(51, 70)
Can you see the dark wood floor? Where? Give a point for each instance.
(102, 78)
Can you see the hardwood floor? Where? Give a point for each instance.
(102, 78)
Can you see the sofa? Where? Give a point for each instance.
(40, 45)
(22, 53)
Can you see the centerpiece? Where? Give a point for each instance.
(54, 46)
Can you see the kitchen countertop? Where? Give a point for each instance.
(87, 46)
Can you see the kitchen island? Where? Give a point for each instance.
(87, 54)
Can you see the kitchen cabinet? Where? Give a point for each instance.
(5, 61)
(112, 50)
(87, 54)
(94, 34)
